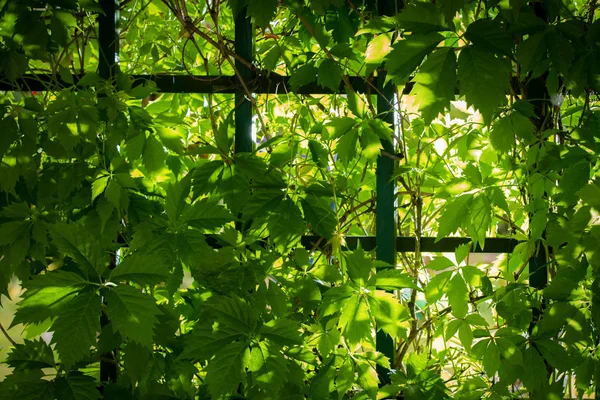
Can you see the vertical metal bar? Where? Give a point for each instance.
(537, 91)
(108, 43)
(108, 39)
(243, 110)
(385, 201)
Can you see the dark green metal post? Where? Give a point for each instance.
(538, 93)
(108, 39)
(108, 43)
(243, 110)
(385, 207)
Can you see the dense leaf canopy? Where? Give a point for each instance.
(145, 244)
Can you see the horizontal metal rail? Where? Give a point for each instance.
(273, 84)
(406, 244)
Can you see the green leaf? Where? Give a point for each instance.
(575, 177)
(269, 367)
(206, 214)
(465, 334)
(227, 369)
(355, 320)
(590, 194)
(407, 55)
(206, 340)
(10, 134)
(370, 143)
(154, 155)
(319, 154)
(483, 80)
(77, 242)
(454, 214)
(346, 147)
(262, 11)
(286, 226)
(282, 331)
(358, 265)
(113, 194)
(390, 316)
(435, 83)
(367, 378)
(234, 312)
(440, 264)
(392, 279)
(47, 295)
(99, 185)
(76, 386)
(534, 375)
(304, 75)
(490, 35)
(458, 296)
(481, 218)
(76, 327)
(378, 48)
(32, 354)
(329, 75)
(132, 313)
(561, 51)
(509, 351)
(491, 358)
(143, 269)
(532, 52)
(27, 386)
(421, 18)
(319, 214)
(554, 353)
(345, 377)
(436, 288)
(338, 127)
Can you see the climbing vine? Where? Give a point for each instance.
(133, 237)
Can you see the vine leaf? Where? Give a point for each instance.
(320, 215)
(227, 369)
(32, 354)
(76, 327)
(358, 266)
(27, 386)
(269, 367)
(392, 279)
(355, 320)
(282, 331)
(234, 313)
(132, 313)
(78, 243)
(408, 54)
(143, 269)
(286, 226)
(206, 340)
(329, 75)
(481, 217)
(489, 35)
(483, 80)
(76, 387)
(421, 18)
(458, 296)
(262, 11)
(206, 214)
(454, 215)
(47, 295)
(346, 146)
(435, 83)
(389, 314)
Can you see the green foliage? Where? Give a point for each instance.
(143, 241)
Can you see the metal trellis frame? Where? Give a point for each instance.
(385, 243)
